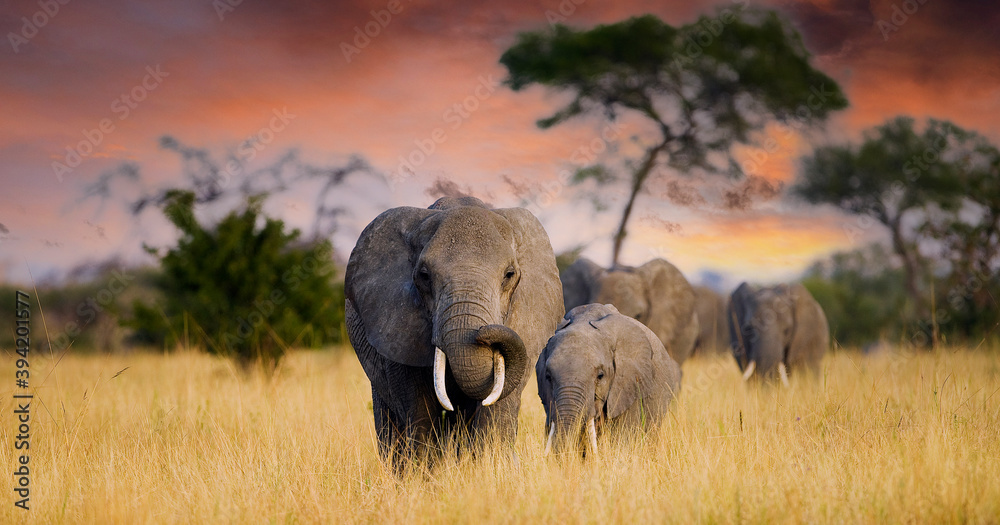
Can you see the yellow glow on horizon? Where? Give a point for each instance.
(747, 247)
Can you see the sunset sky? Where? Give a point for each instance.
(212, 75)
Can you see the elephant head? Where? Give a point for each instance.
(774, 328)
(466, 289)
(657, 295)
(579, 282)
(599, 368)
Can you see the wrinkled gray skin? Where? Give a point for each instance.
(469, 280)
(778, 324)
(603, 366)
(655, 294)
(713, 333)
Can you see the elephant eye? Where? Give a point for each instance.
(548, 377)
(423, 276)
(509, 274)
(600, 375)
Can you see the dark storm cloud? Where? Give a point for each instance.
(833, 28)
(929, 39)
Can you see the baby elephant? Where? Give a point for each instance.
(602, 369)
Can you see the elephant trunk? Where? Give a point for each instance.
(764, 351)
(487, 359)
(572, 424)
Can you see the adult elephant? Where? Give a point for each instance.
(602, 370)
(655, 294)
(446, 309)
(776, 329)
(713, 330)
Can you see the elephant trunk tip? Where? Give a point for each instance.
(488, 363)
(510, 358)
(580, 436)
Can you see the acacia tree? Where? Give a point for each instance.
(894, 174)
(968, 240)
(704, 86)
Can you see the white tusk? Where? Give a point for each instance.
(783, 372)
(749, 371)
(498, 379)
(442, 394)
(592, 434)
(548, 442)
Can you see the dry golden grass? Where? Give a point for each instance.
(185, 438)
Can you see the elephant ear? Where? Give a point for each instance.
(811, 335)
(379, 284)
(671, 303)
(544, 392)
(536, 307)
(579, 282)
(736, 314)
(635, 352)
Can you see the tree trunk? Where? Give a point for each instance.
(911, 269)
(638, 180)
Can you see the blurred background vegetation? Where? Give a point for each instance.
(244, 286)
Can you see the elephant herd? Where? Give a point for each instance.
(448, 308)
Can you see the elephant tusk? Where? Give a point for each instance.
(783, 372)
(552, 436)
(749, 371)
(498, 379)
(592, 435)
(442, 394)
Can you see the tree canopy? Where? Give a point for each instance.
(896, 172)
(704, 86)
(935, 188)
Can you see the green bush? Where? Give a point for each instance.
(244, 288)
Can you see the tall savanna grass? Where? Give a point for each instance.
(186, 437)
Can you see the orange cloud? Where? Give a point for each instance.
(766, 247)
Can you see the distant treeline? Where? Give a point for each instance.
(864, 295)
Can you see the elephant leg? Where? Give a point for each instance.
(424, 420)
(413, 403)
(497, 421)
(386, 429)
